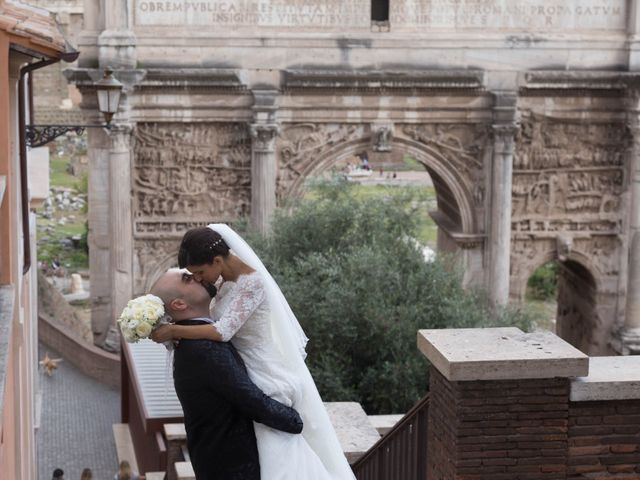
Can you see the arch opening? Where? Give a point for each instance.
(444, 216)
(565, 296)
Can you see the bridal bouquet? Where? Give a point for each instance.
(140, 316)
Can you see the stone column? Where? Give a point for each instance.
(504, 130)
(120, 219)
(264, 173)
(264, 163)
(499, 403)
(634, 35)
(629, 337)
(117, 43)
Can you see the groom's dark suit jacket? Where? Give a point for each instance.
(220, 403)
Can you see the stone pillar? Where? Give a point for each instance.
(117, 43)
(499, 403)
(264, 173)
(634, 35)
(264, 163)
(629, 336)
(504, 130)
(121, 233)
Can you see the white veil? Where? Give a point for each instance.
(291, 341)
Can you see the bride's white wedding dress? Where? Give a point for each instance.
(243, 317)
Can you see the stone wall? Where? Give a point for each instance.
(604, 439)
(93, 361)
(55, 100)
(498, 430)
(513, 406)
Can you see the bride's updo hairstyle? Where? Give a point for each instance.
(199, 246)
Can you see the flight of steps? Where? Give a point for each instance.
(356, 432)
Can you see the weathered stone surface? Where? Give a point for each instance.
(54, 305)
(352, 426)
(342, 84)
(524, 15)
(284, 14)
(610, 378)
(500, 354)
(175, 431)
(384, 423)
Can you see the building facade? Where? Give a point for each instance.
(28, 38)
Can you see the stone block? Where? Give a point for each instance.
(175, 432)
(500, 354)
(355, 432)
(184, 471)
(610, 378)
(124, 445)
(384, 423)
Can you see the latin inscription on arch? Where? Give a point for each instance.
(512, 15)
(322, 14)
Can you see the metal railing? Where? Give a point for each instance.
(402, 453)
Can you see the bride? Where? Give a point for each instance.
(252, 313)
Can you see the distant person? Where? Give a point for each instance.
(87, 474)
(381, 171)
(364, 160)
(58, 474)
(395, 175)
(125, 472)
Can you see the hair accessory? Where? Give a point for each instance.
(215, 244)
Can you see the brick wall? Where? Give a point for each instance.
(495, 430)
(604, 440)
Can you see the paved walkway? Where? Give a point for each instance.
(75, 424)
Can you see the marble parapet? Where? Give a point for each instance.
(500, 354)
(610, 378)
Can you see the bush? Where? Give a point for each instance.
(361, 289)
(543, 284)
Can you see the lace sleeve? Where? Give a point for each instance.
(248, 295)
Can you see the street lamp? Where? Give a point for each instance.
(108, 89)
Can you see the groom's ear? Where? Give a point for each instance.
(178, 305)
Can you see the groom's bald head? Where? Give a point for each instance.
(182, 296)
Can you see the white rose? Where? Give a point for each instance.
(133, 323)
(143, 330)
(128, 335)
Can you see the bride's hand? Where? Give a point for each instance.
(163, 333)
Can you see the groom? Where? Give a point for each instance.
(219, 400)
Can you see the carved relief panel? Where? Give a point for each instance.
(189, 174)
(301, 146)
(184, 175)
(569, 176)
(568, 182)
(461, 145)
(151, 259)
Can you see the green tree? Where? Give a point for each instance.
(361, 289)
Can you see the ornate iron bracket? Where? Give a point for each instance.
(39, 135)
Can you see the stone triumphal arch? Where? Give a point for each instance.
(525, 115)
